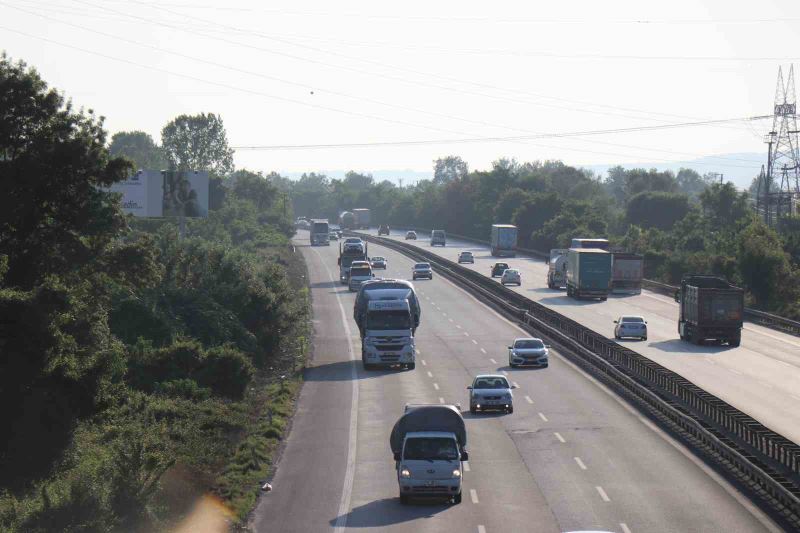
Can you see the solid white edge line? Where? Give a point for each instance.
(473, 494)
(350, 469)
(602, 494)
(726, 486)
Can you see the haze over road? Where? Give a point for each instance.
(571, 456)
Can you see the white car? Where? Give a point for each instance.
(631, 327)
(466, 257)
(528, 351)
(511, 276)
(378, 262)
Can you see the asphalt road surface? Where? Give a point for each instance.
(760, 378)
(571, 457)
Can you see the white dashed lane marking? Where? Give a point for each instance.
(541, 415)
(483, 351)
(474, 495)
(559, 437)
(602, 494)
(430, 374)
(466, 466)
(441, 400)
(474, 341)
(528, 399)
(423, 362)
(436, 386)
(459, 327)
(580, 463)
(493, 361)
(481, 529)
(624, 527)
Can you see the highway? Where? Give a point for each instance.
(571, 457)
(760, 378)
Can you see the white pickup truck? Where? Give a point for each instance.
(429, 445)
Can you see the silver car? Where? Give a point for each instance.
(378, 262)
(422, 270)
(631, 327)
(511, 276)
(466, 257)
(490, 391)
(528, 351)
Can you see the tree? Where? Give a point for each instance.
(197, 142)
(763, 264)
(509, 202)
(690, 182)
(640, 180)
(54, 215)
(535, 212)
(724, 206)
(657, 209)
(450, 168)
(140, 148)
(254, 187)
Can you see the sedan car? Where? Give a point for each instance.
(631, 327)
(378, 262)
(490, 391)
(466, 257)
(333, 236)
(528, 351)
(498, 269)
(511, 276)
(422, 270)
(411, 235)
(383, 229)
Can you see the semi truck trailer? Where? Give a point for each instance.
(362, 218)
(627, 273)
(710, 309)
(504, 240)
(588, 273)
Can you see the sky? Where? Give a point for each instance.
(422, 76)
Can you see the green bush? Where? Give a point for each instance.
(226, 371)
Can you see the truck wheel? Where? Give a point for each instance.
(404, 499)
(411, 366)
(472, 410)
(368, 366)
(736, 341)
(603, 299)
(457, 498)
(510, 409)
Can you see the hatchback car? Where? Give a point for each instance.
(333, 236)
(631, 327)
(466, 257)
(528, 351)
(383, 229)
(490, 391)
(498, 269)
(511, 276)
(422, 270)
(378, 262)
(411, 235)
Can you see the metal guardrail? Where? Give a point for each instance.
(757, 456)
(769, 320)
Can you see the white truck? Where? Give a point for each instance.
(363, 216)
(320, 232)
(557, 268)
(504, 240)
(429, 443)
(388, 335)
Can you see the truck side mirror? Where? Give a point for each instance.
(396, 456)
(465, 455)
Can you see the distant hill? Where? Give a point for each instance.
(740, 168)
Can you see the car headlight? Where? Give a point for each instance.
(456, 472)
(405, 473)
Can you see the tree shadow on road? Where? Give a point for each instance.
(388, 511)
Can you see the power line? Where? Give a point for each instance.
(306, 86)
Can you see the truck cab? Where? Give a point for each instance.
(360, 272)
(388, 335)
(429, 446)
(353, 249)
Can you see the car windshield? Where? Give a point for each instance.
(422, 266)
(490, 383)
(433, 448)
(501, 265)
(378, 259)
(388, 320)
(466, 253)
(529, 344)
(511, 272)
(636, 319)
(360, 271)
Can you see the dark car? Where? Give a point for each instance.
(422, 270)
(498, 269)
(383, 229)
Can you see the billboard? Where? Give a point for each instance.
(164, 193)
